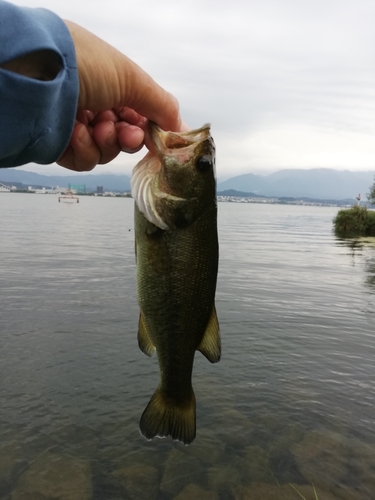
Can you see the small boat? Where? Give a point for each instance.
(68, 196)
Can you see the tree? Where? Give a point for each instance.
(371, 194)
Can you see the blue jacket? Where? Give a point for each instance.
(36, 117)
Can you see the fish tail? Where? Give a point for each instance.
(164, 417)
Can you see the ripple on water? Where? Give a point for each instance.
(292, 400)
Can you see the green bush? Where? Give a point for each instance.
(371, 223)
(355, 221)
(371, 194)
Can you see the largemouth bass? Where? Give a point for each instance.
(177, 262)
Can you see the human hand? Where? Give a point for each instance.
(98, 138)
(116, 99)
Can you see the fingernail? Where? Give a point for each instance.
(84, 137)
(134, 150)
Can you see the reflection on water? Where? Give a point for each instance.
(364, 250)
(292, 400)
(370, 270)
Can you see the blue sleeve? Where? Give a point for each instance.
(36, 117)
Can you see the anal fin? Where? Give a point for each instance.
(210, 345)
(144, 342)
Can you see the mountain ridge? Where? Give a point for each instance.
(110, 182)
(319, 183)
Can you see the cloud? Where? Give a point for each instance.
(300, 146)
(283, 82)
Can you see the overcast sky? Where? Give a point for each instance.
(284, 83)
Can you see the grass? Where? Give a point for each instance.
(355, 221)
(315, 493)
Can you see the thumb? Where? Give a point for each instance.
(109, 79)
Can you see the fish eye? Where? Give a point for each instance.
(204, 163)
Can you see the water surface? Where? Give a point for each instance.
(292, 400)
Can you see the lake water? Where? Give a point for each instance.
(290, 405)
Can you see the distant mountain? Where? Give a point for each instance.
(318, 183)
(110, 182)
(241, 194)
(232, 193)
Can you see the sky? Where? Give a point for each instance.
(284, 83)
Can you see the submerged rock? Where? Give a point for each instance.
(270, 421)
(322, 458)
(55, 476)
(221, 478)
(363, 460)
(11, 464)
(195, 492)
(259, 491)
(180, 470)
(81, 439)
(206, 448)
(141, 482)
(234, 428)
(346, 493)
(360, 479)
(284, 467)
(292, 434)
(257, 465)
(151, 456)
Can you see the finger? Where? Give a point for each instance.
(82, 153)
(130, 137)
(132, 117)
(141, 93)
(105, 116)
(155, 103)
(105, 137)
(84, 116)
(66, 160)
(109, 79)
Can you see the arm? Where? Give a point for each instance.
(115, 99)
(39, 85)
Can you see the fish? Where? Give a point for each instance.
(177, 255)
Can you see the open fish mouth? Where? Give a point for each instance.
(179, 145)
(168, 142)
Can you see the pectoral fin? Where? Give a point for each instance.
(210, 345)
(144, 341)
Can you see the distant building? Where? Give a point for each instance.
(4, 188)
(99, 189)
(77, 188)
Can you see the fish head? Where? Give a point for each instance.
(187, 161)
(173, 185)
